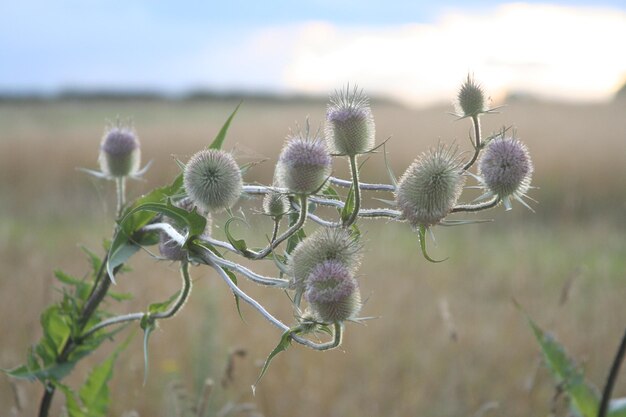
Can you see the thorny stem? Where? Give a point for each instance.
(612, 378)
(175, 308)
(293, 229)
(98, 292)
(120, 188)
(255, 304)
(362, 185)
(477, 207)
(477, 142)
(357, 192)
(275, 230)
(252, 276)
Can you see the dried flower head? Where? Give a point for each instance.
(212, 180)
(350, 128)
(332, 292)
(119, 152)
(471, 99)
(505, 170)
(430, 187)
(304, 164)
(323, 245)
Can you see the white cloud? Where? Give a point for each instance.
(552, 51)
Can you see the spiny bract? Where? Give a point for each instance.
(505, 170)
(350, 128)
(304, 164)
(332, 292)
(430, 187)
(119, 152)
(471, 99)
(212, 180)
(323, 245)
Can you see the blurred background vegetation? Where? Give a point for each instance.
(448, 339)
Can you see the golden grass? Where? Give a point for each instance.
(405, 362)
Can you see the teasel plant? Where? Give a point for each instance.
(317, 269)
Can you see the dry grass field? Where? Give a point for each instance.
(448, 339)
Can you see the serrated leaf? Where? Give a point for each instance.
(82, 288)
(72, 405)
(54, 372)
(94, 259)
(94, 394)
(584, 397)
(221, 135)
(56, 329)
(283, 344)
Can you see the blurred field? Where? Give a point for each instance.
(405, 362)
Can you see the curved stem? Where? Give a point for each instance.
(477, 143)
(468, 208)
(362, 185)
(120, 188)
(275, 230)
(354, 168)
(293, 229)
(175, 308)
(252, 276)
(283, 327)
(612, 378)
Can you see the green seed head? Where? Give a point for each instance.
(212, 180)
(332, 292)
(119, 152)
(471, 99)
(275, 204)
(323, 245)
(304, 164)
(430, 187)
(350, 128)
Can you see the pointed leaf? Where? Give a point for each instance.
(349, 205)
(73, 407)
(584, 397)
(238, 244)
(219, 139)
(283, 344)
(421, 232)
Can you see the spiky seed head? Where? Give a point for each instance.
(505, 168)
(471, 98)
(350, 128)
(304, 164)
(275, 204)
(212, 180)
(323, 245)
(430, 187)
(332, 292)
(120, 154)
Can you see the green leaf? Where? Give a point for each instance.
(73, 407)
(219, 139)
(233, 278)
(94, 394)
(283, 344)
(120, 296)
(56, 329)
(297, 237)
(421, 233)
(238, 244)
(82, 288)
(54, 372)
(162, 306)
(349, 205)
(94, 259)
(584, 397)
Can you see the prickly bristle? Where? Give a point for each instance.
(505, 167)
(430, 187)
(471, 98)
(275, 204)
(213, 180)
(350, 128)
(304, 165)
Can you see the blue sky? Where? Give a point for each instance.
(250, 45)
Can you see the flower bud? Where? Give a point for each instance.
(471, 99)
(430, 187)
(304, 165)
(275, 204)
(332, 292)
(212, 180)
(350, 128)
(505, 169)
(323, 245)
(119, 152)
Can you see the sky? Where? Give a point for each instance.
(417, 52)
